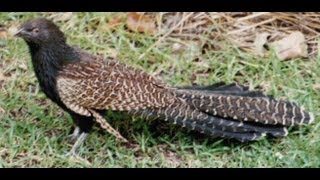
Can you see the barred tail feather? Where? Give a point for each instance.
(264, 110)
(184, 115)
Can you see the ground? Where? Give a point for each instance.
(33, 130)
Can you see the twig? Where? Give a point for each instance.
(252, 26)
(252, 16)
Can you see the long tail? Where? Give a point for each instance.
(243, 105)
(184, 115)
(230, 111)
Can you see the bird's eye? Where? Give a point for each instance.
(35, 30)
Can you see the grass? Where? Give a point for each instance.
(33, 131)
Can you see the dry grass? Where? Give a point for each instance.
(240, 29)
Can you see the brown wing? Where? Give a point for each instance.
(99, 84)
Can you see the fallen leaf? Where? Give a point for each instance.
(139, 22)
(292, 46)
(260, 43)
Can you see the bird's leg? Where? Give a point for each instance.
(105, 125)
(83, 136)
(76, 133)
(82, 124)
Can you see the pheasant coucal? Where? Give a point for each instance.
(85, 85)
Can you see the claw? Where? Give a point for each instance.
(79, 141)
(75, 135)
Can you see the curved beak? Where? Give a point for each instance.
(20, 32)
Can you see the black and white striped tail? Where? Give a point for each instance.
(186, 116)
(230, 111)
(264, 110)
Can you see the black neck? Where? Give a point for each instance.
(47, 61)
(56, 54)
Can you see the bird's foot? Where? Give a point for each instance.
(80, 138)
(79, 141)
(75, 135)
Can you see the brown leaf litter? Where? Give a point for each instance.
(140, 22)
(250, 31)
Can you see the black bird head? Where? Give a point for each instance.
(40, 31)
